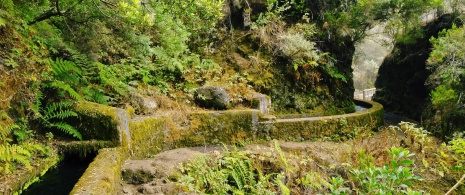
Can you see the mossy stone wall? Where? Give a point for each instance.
(215, 127)
(151, 135)
(101, 126)
(103, 176)
(96, 121)
(147, 136)
(339, 127)
(15, 187)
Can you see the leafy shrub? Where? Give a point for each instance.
(395, 178)
(442, 96)
(457, 148)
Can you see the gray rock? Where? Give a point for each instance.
(212, 97)
(138, 172)
(261, 102)
(143, 105)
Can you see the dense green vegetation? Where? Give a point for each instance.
(299, 52)
(447, 64)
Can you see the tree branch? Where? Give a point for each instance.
(50, 13)
(55, 11)
(108, 4)
(456, 185)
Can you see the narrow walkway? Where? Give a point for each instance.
(394, 119)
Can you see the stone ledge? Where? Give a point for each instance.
(340, 127)
(10, 186)
(103, 176)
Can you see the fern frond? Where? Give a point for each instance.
(5, 131)
(49, 110)
(65, 70)
(14, 154)
(38, 101)
(65, 127)
(59, 110)
(100, 98)
(240, 169)
(62, 114)
(21, 150)
(67, 88)
(34, 148)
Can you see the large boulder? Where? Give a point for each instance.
(212, 97)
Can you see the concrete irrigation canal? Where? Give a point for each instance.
(118, 136)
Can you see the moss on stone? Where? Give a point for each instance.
(151, 135)
(339, 127)
(103, 176)
(25, 180)
(147, 136)
(96, 121)
(82, 148)
(216, 127)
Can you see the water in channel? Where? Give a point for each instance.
(60, 179)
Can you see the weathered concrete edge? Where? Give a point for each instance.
(14, 188)
(103, 176)
(338, 127)
(375, 108)
(116, 129)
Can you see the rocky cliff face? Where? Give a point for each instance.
(401, 78)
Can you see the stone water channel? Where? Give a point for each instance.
(121, 136)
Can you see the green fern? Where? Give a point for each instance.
(67, 88)
(95, 95)
(284, 189)
(53, 114)
(66, 77)
(109, 77)
(38, 102)
(67, 128)
(58, 110)
(282, 156)
(6, 126)
(64, 70)
(12, 155)
(5, 131)
(240, 169)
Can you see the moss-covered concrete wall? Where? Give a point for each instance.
(215, 127)
(103, 176)
(10, 186)
(101, 122)
(339, 127)
(101, 126)
(150, 135)
(147, 136)
(153, 134)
